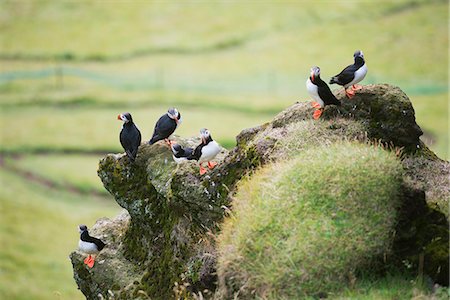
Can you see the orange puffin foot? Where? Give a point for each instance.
(350, 93)
(87, 259)
(356, 87)
(91, 262)
(316, 105)
(202, 170)
(211, 164)
(317, 114)
(169, 142)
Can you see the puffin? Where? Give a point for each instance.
(352, 74)
(165, 126)
(320, 92)
(181, 154)
(130, 136)
(206, 151)
(89, 245)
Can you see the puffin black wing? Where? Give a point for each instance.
(325, 93)
(130, 139)
(136, 141)
(346, 76)
(163, 129)
(188, 153)
(179, 152)
(85, 237)
(197, 153)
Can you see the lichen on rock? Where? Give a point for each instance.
(174, 213)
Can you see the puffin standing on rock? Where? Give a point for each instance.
(352, 74)
(165, 126)
(130, 136)
(89, 245)
(206, 151)
(320, 92)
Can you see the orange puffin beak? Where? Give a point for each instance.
(119, 118)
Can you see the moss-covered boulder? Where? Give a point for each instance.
(168, 245)
(307, 225)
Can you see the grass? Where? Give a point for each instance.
(433, 119)
(39, 230)
(392, 286)
(250, 73)
(73, 170)
(308, 225)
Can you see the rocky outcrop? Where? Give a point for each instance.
(164, 245)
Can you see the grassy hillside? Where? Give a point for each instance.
(249, 58)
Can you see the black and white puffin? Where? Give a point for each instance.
(352, 74)
(320, 92)
(165, 126)
(89, 245)
(130, 136)
(180, 154)
(206, 151)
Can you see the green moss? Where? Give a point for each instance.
(193, 271)
(305, 226)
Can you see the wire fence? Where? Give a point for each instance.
(269, 82)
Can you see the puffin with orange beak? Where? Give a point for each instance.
(206, 151)
(165, 126)
(320, 92)
(352, 74)
(130, 136)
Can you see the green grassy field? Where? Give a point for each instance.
(68, 68)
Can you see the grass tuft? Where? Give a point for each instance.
(307, 226)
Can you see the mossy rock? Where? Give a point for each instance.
(173, 210)
(308, 225)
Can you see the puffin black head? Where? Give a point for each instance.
(82, 228)
(174, 114)
(315, 73)
(358, 53)
(205, 135)
(125, 117)
(176, 148)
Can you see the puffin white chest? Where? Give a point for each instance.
(209, 151)
(179, 160)
(87, 247)
(313, 91)
(359, 75)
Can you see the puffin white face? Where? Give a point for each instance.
(176, 148)
(315, 72)
(82, 228)
(123, 117)
(174, 114)
(204, 134)
(358, 53)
